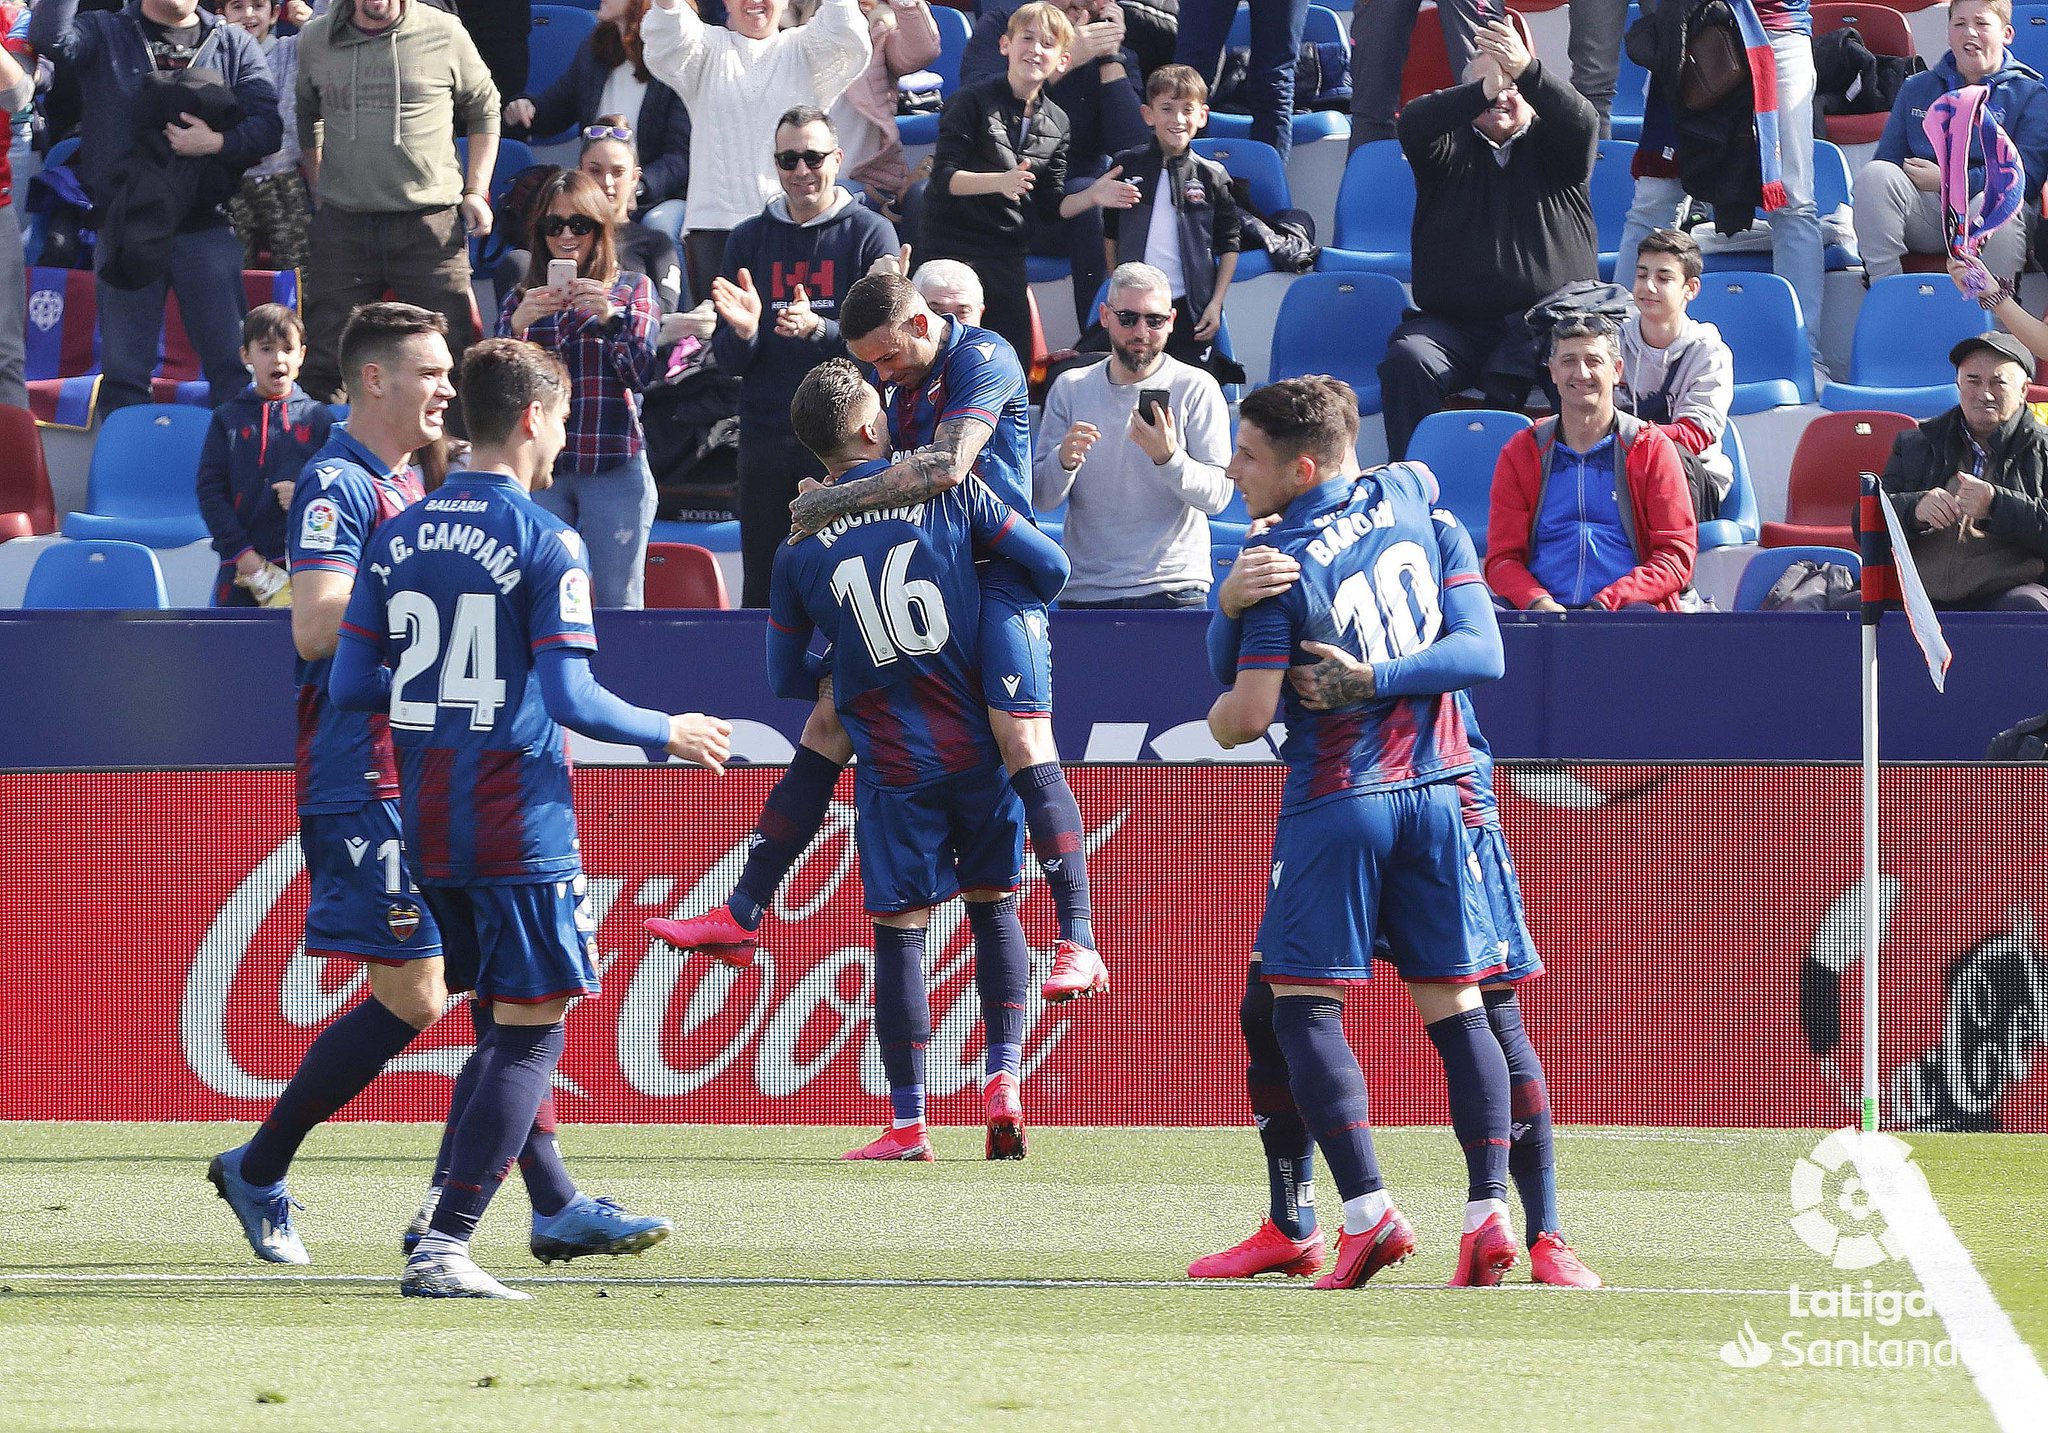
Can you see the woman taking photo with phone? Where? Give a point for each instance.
(600, 321)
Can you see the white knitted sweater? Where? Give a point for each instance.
(735, 90)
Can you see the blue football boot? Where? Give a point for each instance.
(266, 1214)
(595, 1226)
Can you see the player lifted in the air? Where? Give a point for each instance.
(894, 593)
(957, 406)
(480, 602)
(1371, 835)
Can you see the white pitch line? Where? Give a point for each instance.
(2007, 1373)
(769, 1281)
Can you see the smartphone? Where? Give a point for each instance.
(1151, 401)
(561, 272)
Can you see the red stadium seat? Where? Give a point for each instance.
(24, 477)
(181, 379)
(681, 574)
(1885, 32)
(1429, 66)
(1825, 483)
(13, 525)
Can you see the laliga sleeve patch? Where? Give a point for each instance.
(576, 598)
(317, 529)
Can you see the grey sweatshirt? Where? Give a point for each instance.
(1701, 371)
(1134, 527)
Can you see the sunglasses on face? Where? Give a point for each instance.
(1130, 319)
(620, 132)
(789, 159)
(581, 225)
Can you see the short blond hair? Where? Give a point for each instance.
(1052, 23)
(2002, 7)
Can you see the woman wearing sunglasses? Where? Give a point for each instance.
(601, 324)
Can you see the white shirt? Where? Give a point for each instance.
(624, 92)
(1162, 239)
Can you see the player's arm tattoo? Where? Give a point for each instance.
(1333, 682)
(940, 464)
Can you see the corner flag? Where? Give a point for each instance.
(1890, 576)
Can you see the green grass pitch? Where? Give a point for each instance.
(128, 1300)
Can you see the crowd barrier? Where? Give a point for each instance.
(1699, 923)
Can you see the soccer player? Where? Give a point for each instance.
(895, 595)
(1371, 836)
(481, 601)
(957, 405)
(396, 364)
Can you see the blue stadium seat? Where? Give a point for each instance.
(955, 28)
(1320, 26)
(551, 45)
(513, 156)
(1375, 214)
(1769, 565)
(1461, 446)
(1258, 164)
(1831, 190)
(1739, 519)
(140, 487)
(1045, 268)
(1758, 316)
(1613, 190)
(110, 576)
(2029, 36)
(1898, 362)
(1338, 324)
(715, 536)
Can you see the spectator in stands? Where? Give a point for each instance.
(115, 56)
(272, 212)
(1675, 371)
(1138, 479)
(1898, 193)
(736, 82)
(951, 288)
(904, 39)
(1185, 221)
(1381, 35)
(601, 324)
(1797, 254)
(786, 270)
(609, 77)
(609, 158)
(1970, 487)
(1503, 218)
(17, 88)
(1099, 94)
(257, 445)
(389, 82)
(1590, 508)
(1002, 155)
(1276, 44)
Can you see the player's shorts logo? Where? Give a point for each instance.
(403, 919)
(1833, 1212)
(320, 525)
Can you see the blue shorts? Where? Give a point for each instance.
(364, 906)
(1016, 647)
(925, 844)
(1504, 902)
(524, 944)
(1392, 863)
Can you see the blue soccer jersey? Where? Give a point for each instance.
(975, 375)
(459, 593)
(1372, 576)
(894, 592)
(344, 492)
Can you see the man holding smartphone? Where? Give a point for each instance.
(1135, 447)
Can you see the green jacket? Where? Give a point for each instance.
(391, 103)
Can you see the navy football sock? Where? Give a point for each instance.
(791, 819)
(1476, 1074)
(903, 1018)
(548, 1185)
(465, 1086)
(1290, 1153)
(1002, 976)
(1329, 1088)
(1056, 835)
(337, 1066)
(1532, 1159)
(513, 1080)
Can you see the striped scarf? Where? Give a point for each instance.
(1953, 122)
(1763, 85)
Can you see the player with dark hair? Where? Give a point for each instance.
(956, 402)
(1371, 837)
(895, 594)
(481, 600)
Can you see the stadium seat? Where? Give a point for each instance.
(1320, 25)
(180, 378)
(2029, 36)
(1759, 319)
(1338, 324)
(955, 29)
(1222, 557)
(1462, 446)
(1898, 360)
(681, 574)
(557, 31)
(1763, 570)
(1613, 191)
(1375, 214)
(1884, 32)
(1831, 190)
(140, 487)
(1825, 483)
(13, 525)
(1259, 166)
(24, 476)
(62, 341)
(109, 576)
(712, 536)
(1738, 521)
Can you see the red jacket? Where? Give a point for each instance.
(1656, 506)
